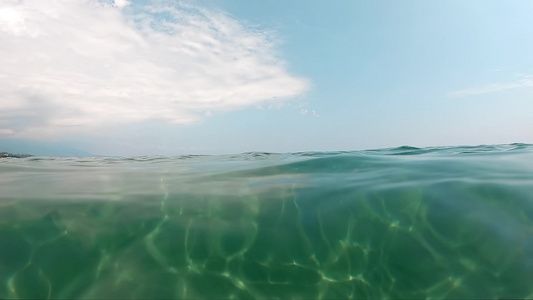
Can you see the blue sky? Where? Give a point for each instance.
(213, 77)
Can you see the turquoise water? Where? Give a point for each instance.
(453, 222)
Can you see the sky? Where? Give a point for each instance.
(158, 77)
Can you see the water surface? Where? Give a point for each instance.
(451, 222)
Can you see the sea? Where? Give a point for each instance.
(396, 223)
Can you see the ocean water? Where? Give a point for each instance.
(438, 223)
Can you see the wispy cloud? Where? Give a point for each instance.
(305, 111)
(492, 88)
(83, 65)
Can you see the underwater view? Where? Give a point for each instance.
(398, 223)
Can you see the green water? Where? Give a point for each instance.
(453, 222)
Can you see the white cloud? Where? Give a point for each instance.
(492, 88)
(121, 3)
(81, 65)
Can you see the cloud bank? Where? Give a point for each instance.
(72, 66)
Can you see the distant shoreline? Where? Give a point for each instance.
(20, 155)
